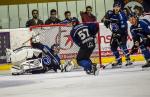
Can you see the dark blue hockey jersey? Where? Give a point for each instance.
(141, 30)
(84, 34)
(117, 21)
(48, 51)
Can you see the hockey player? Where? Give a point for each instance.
(84, 36)
(51, 58)
(116, 21)
(140, 31)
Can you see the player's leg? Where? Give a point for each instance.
(83, 59)
(114, 46)
(123, 41)
(146, 54)
(55, 65)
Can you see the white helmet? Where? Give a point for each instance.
(36, 39)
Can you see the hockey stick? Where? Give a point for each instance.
(30, 39)
(110, 64)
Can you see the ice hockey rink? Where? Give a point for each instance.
(124, 82)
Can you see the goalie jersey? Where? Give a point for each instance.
(84, 34)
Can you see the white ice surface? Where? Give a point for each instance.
(126, 82)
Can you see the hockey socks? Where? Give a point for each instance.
(145, 52)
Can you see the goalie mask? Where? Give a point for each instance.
(36, 39)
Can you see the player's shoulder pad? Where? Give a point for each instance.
(109, 12)
(123, 13)
(78, 26)
(144, 22)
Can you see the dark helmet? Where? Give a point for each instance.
(117, 4)
(75, 20)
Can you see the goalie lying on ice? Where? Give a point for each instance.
(36, 59)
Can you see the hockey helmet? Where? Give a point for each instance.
(75, 21)
(117, 4)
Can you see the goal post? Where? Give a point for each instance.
(60, 34)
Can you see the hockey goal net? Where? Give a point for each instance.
(60, 34)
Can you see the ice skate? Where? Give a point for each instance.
(129, 63)
(94, 71)
(117, 65)
(102, 66)
(147, 65)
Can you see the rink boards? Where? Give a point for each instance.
(69, 51)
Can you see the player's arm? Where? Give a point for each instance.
(146, 27)
(106, 19)
(123, 20)
(93, 28)
(136, 41)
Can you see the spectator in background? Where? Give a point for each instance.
(53, 18)
(68, 18)
(35, 20)
(87, 16)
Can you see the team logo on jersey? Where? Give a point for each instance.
(46, 60)
(114, 26)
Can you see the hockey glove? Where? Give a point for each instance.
(134, 49)
(106, 23)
